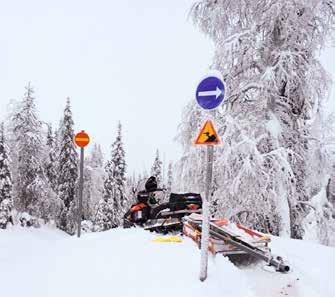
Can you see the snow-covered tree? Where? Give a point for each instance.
(6, 207)
(30, 178)
(267, 53)
(170, 178)
(114, 202)
(67, 171)
(5, 175)
(109, 209)
(31, 191)
(119, 169)
(6, 202)
(106, 216)
(156, 169)
(131, 187)
(93, 182)
(96, 159)
(320, 184)
(191, 169)
(13, 108)
(51, 159)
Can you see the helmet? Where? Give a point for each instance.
(151, 184)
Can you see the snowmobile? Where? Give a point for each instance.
(151, 215)
(232, 239)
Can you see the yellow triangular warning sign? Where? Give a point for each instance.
(208, 135)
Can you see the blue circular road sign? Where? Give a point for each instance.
(210, 92)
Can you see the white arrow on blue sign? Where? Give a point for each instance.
(210, 92)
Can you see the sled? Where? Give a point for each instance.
(233, 239)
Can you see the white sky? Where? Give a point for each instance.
(133, 61)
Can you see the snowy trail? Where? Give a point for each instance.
(311, 266)
(48, 263)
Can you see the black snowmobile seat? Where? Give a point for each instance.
(180, 201)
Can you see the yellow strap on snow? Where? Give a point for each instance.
(264, 238)
(167, 239)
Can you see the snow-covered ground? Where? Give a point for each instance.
(120, 263)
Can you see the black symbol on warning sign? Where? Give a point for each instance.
(210, 138)
(208, 135)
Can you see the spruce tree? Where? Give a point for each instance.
(114, 202)
(109, 210)
(104, 217)
(93, 182)
(28, 145)
(119, 169)
(156, 169)
(6, 202)
(67, 171)
(96, 159)
(51, 159)
(170, 178)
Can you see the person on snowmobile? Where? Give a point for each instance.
(146, 201)
(151, 188)
(154, 213)
(149, 194)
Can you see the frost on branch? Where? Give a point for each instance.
(32, 191)
(156, 170)
(114, 202)
(94, 176)
(67, 172)
(267, 52)
(6, 201)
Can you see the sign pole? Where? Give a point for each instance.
(206, 214)
(209, 95)
(81, 139)
(81, 185)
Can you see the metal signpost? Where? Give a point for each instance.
(209, 95)
(81, 139)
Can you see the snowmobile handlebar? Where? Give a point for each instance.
(157, 190)
(161, 190)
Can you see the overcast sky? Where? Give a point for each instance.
(133, 61)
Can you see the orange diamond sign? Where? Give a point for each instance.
(208, 135)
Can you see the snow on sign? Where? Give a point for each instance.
(208, 135)
(82, 139)
(210, 92)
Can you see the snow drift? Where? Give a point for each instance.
(48, 263)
